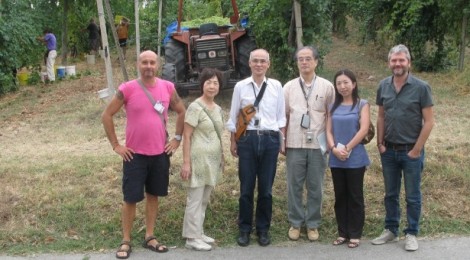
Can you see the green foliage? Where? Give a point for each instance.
(78, 21)
(339, 12)
(18, 46)
(271, 22)
(424, 26)
(213, 19)
(201, 9)
(149, 22)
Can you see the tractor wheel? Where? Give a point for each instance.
(169, 73)
(245, 45)
(175, 53)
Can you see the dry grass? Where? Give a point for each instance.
(61, 180)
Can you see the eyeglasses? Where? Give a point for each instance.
(260, 61)
(306, 59)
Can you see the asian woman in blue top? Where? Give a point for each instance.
(347, 125)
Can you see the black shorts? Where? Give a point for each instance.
(123, 42)
(151, 172)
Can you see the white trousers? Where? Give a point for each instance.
(195, 212)
(50, 65)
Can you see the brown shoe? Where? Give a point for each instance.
(294, 233)
(312, 234)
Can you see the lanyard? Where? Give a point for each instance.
(307, 95)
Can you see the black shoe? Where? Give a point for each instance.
(263, 239)
(243, 239)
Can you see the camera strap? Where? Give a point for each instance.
(152, 101)
(307, 95)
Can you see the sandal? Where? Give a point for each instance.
(159, 248)
(353, 243)
(128, 251)
(339, 241)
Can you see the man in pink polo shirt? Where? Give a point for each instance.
(146, 152)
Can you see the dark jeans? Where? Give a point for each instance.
(394, 164)
(257, 160)
(349, 201)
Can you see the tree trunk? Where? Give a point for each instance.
(64, 33)
(298, 23)
(462, 42)
(291, 35)
(137, 27)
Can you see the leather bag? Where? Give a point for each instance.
(247, 113)
(371, 132)
(244, 118)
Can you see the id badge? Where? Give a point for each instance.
(257, 121)
(305, 122)
(159, 107)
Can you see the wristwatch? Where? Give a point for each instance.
(178, 138)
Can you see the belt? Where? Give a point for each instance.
(262, 132)
(399, 147)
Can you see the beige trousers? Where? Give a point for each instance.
(195, 212)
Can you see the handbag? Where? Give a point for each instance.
(371, 132)
(247, 113)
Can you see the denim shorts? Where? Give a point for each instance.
(144, 173)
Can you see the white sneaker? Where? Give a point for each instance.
(385, 237)
(206, 239)
(411, 244)
(197, 244)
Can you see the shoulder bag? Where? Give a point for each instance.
(371, 132)
(247, 113)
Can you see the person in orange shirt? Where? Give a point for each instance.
(123, 31)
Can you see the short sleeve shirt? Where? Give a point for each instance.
(51, 42)
(145, 131)
(320, 99)
(206, 149)
(345, 124)
(403, 110)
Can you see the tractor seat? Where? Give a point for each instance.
(208, 29)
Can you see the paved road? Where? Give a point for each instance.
(442, 248)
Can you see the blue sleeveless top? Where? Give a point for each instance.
(345, 126)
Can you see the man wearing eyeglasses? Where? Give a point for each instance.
(307, 99)
(258, 148)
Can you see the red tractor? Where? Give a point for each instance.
(226, 48)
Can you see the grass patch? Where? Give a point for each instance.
(61, 182)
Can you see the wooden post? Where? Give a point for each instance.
(116, 40)
(298, 23)
(137, 31)
(159, 28)
(104, 39)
